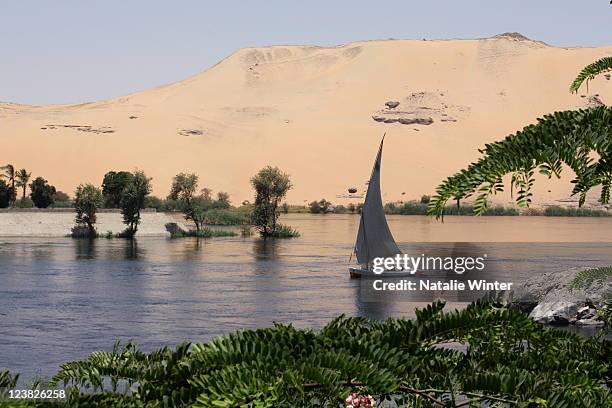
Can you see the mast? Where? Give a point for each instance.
(374, 238)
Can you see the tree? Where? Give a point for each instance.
(23, 178)
(223, 200)
(5, 194)
(184, 186)
(133, 199)
(87, 199)
(41, 192)
(580, 139)
(9, 174)
(321, 206)
(271, 185)
(61, 196)
(112, 187)
(207, 193)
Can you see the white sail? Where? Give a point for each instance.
(374, 239)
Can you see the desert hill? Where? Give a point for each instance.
(317, 113)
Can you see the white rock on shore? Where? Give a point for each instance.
(556, 302)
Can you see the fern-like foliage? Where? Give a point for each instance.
(590, 72)
(7, 380)
(572, 138)
(506, 360)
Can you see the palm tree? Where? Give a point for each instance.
(572, 138)
(9, 174)
(590, 72)
(23, 178)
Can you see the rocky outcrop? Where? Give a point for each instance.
(191, 132)
(421, 108)
(594, 101)
(405, 118)
(174, 229)
(551, 298)
(392, 104)
(81, 128)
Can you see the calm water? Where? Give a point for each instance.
(61, 299)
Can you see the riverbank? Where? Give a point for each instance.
(58, 222)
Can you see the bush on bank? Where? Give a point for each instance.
(509, 361)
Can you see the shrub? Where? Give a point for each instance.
(210, 233)
(24, 203)
(203, 233)
(42, 193)
(417, 208)
(557, 211)
(155, 202)
(284, 231)
(321, 206)
(82, 231)
(61, 196)
(532, 212)
(171, 205)
(238, 216)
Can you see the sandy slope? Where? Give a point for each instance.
(309, 110)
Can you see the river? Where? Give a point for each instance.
(61, 299)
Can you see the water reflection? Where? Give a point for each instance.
(265, 249)
(85, 248)
(132, 251)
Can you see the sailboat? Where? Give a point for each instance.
(374, 239)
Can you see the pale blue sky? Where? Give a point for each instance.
(54, 51)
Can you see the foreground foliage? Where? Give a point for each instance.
(588, 277)
(508, 361)
(571, 138)
(590, 72)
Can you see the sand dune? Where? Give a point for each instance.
(318, 113)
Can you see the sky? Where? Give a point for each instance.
(70, 51)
